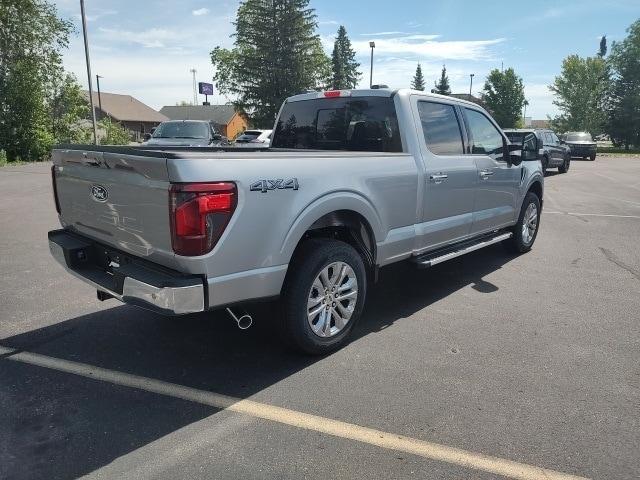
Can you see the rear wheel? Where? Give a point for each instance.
(323, 296)
(592, 157)
(526, 230)
(564, 168)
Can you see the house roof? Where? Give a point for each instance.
(125, 108)
(220, 114)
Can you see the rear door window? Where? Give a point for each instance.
(441, 128)
(485, 137)
(360, 124)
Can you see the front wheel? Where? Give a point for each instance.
(323, 296)
(592, 157)
(526, 230)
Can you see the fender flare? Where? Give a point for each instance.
(331, 202)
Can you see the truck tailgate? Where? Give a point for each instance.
(119, 199)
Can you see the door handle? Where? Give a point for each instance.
(438, 177)
(486, 173)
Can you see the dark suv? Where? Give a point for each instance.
(580, 144)
(551, 151)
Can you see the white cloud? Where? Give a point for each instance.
(329, 22)
(96, 15)
(378, 34)
(151, 38)
(540, 101)
(426, 46)
(200, 11)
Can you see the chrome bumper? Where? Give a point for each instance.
(188, 297)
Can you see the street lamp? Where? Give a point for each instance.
(471, 83)
(524, 115)
(98, 77)
(372, 45)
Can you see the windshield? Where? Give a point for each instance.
(516, 137)
(361, 124)
(578, 137)
(182, 130)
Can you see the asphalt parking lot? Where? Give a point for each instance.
(489, 364)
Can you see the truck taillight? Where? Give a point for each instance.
(55, 188)
(199, 214)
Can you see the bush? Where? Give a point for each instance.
(3, 158)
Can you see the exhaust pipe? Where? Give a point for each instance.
(244, 321)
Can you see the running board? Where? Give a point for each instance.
(433, 258)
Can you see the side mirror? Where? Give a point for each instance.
(146, 136)
(216, 137)
(529, 147)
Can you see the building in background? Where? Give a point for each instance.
(131, 113)
(225, 118)
(540, 124)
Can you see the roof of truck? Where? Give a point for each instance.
(376, 92)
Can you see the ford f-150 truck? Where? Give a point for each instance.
(354, 180)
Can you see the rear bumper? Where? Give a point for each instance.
(127, 278)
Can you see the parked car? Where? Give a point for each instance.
(186, 133)
(354, 180)
(254, 138)
(553, 153)
(581, 145)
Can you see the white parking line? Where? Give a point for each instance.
(590, 214)
(391, 441)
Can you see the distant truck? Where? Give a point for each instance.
(355, 180)
(185, 133)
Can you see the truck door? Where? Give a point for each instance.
(451, 177)
(498, 180)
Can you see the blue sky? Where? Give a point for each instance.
(146, 48)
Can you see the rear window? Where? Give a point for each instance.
(360, 124)
(182, 130)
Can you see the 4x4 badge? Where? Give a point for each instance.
(279, 184)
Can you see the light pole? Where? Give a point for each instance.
(98, 77)
(524, 115)
(372, 45)
(471, 83)
(195, 95)
(86, 53)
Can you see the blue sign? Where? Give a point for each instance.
(205, 88)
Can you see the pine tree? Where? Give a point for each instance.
(418, 79)
(343, 63)
(603, 47)
(442, 85)
(277, 53)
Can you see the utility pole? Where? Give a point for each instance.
(471, 83)
(372, 45)
(195, 95)
(98, 77)
(86, 53)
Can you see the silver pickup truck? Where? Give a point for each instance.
(354, 180)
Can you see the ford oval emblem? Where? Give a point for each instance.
(99, 193)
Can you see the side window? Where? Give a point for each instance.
(555, 138)
(486, 138)
(441, 128)
(548, 139)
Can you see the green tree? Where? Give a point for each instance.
(602, 51)
(68, 106)
(442, 85)
(31, 39)
(417, 83)
(503, 94)
(276, 53)
(623, 102)
(114, 133)
(580, 92)
(343, 62)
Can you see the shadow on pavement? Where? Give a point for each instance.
(56, 425)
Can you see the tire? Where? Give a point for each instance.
(304, 284)
(545, 165)
(592, 157)
(564, 168)
(521, 242)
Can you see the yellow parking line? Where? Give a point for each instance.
(391, 441)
